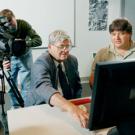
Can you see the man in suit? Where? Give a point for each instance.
(45, 80)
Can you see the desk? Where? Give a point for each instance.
(43, 120)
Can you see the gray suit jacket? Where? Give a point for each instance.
(43, 78)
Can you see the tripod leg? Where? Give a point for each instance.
(14, 89)
(2, 131)
(3, 123)
(2, 92)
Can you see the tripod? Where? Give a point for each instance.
(16, 92)
(12, 86)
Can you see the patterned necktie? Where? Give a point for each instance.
(64, 83)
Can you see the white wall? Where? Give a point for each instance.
(44, 15)
(130, 13)
(88, 42)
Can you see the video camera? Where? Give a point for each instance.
(6, 39)
(9, 46)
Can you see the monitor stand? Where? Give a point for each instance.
(124, 128)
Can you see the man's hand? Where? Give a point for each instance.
(6, 64)
(77, 113)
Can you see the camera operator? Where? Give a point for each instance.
(23, 37)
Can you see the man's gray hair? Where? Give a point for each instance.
(58, 36)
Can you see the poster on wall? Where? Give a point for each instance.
(98, 15)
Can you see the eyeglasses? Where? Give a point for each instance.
(63, 47)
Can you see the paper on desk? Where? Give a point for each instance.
(39, 120)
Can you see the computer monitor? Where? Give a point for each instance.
(113, 97)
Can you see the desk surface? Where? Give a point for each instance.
(44, 120)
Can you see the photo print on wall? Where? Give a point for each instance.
(98, 15)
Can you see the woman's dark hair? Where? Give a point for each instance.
(120, 25)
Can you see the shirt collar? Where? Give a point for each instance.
(57, 63)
